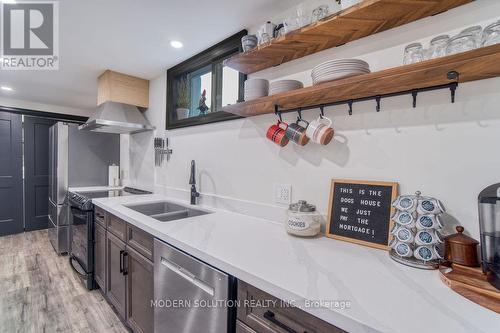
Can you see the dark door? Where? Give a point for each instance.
(36, 172)
(140, 289)
(11, 174)
(116, 279)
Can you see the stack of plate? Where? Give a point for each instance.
(278, 87)
(256, 88)
(337, 69)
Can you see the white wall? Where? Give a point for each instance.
(445, 150)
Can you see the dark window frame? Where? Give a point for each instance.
(213, 56)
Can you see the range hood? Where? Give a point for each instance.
(118, 118)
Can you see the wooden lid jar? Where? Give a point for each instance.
(461, 249)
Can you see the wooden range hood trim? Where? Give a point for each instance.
(122, 88)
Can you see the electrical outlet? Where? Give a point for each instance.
(283, 193)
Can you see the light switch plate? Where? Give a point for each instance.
(283, 193)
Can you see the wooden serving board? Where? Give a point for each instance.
(471, 283)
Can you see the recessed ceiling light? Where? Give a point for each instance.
(176, 44)
(6, 88)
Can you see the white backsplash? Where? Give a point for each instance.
(445, 150)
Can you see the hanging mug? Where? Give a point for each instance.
(297, 133)
(320, 130)
(277, 133)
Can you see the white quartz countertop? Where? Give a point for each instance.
(384, 296)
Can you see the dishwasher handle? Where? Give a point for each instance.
(188, 276)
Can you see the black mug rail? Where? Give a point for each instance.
(378, 98)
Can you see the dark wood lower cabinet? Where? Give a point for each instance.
(277, 317)
(140, 313)
(100, 256)
(242, 328)
(115, 277)
(124, 271)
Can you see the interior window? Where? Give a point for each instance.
(199, 88)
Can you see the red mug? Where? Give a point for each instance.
(277, 133)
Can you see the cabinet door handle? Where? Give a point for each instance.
(121, 260)
(269, 315)
(125, 263)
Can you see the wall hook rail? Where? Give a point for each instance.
(349, 103)
(299, 114)
(414, 94)
(377, 99)
(277, 112)
(452, 87)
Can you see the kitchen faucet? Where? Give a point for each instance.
(192, 182)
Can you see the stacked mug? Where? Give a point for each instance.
(301, 132)
(417, 240)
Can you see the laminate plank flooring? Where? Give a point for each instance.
(39, 292)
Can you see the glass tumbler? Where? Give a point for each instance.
(476, 32)
(460, 43)
(413, 53)
(491, 34)
(437, 46)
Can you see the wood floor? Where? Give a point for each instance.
(39, 292)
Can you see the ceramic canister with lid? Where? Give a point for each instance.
(303, 219)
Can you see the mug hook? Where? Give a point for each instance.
(299, 117)
(322, 112)
(278, 113)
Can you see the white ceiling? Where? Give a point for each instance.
(133, 37)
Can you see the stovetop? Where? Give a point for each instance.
(83, 200)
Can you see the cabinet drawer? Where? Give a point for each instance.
(277, 317)
(140, 241)
(242, 328)
(100, 216)
(117, 227)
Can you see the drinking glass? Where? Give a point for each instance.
(413, 53)
(290, 24)
(460, 43)
(476, 32)
(437, 46)
(320, 13)
(491, 34)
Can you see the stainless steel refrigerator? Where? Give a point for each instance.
(76, 158)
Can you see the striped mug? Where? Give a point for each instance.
(277, 133)
(320, 131)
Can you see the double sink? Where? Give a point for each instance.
(166, 211)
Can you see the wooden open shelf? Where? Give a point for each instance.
(473, 65)
(364, 19)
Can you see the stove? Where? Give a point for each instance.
(83, 200)
(82, 230)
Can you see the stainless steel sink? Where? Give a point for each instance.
(165, 211)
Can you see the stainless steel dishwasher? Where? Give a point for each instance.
(191, 296)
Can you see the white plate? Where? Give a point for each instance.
(342, 61)
(318, 70)
(275, 92)
(339, 70)
(335, 77)
(315, 76)
(286, 84)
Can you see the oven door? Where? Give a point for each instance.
(82, 245)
